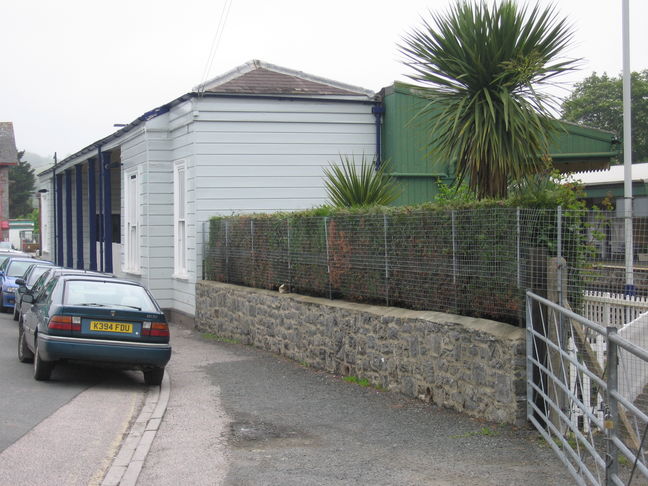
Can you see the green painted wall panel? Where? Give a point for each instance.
(406, 144)
(405, 140)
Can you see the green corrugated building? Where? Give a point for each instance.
(406, 144)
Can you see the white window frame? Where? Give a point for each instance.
(45, 222)
(132, 232)
(180, 219)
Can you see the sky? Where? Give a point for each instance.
(74, 68)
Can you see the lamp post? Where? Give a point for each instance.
(40, 220)
(627, 153)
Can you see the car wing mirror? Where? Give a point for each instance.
(20, 282)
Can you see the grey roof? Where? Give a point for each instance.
(255, 78)
(8, 152)
(261, 78)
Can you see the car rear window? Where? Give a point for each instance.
(36, 272)
(17, 268)
(107, 294)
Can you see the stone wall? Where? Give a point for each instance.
(474, 366)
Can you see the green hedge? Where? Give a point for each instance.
(460, 256)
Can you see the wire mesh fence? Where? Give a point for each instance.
(476, 262)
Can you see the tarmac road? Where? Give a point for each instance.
(24, 402)
(64, 431)
(241, 416)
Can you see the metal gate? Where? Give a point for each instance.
(593, 415)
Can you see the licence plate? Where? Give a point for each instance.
(104, 326)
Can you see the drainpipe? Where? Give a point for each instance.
(378, 109)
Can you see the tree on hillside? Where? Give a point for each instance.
(481, 68)
(21, 188)
(597, 102)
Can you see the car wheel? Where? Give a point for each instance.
(154, 376)
(24, 353)
(42, 368)
(15, 313)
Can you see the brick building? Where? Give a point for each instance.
(8, 158)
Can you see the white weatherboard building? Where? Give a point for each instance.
(252, 140)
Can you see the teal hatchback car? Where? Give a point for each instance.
(95, 320)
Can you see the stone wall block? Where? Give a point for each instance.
(471, 365)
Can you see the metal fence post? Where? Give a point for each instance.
(612, 418)
(529, 355)
(559, 287)
(519, 273)
(204, 249)
(328, 265)
(227, 275)
(254, 275)
(386, 261)
(454, 250)
(289, 257)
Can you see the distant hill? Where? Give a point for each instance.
(37, 162)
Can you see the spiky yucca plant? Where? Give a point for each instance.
(482, 68)
(349, 186)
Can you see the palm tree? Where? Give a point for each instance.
(481, 68)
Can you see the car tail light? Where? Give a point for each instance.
(65, 323)
(158, 329)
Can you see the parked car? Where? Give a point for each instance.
(6, 245)
(26, 282)
(4, 254)
(11, 269)
(55, 271)
(94, 319)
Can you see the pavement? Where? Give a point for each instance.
(75, 444)
(236, 415)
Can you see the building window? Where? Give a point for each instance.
(180, 221)
(131, 223)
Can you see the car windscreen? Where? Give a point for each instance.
(35, 273)
(98, 293)
(17, 268)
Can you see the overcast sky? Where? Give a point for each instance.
(73, 68)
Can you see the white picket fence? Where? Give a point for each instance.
(607, 309)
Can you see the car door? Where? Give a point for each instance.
(3, 272)
(36, 312)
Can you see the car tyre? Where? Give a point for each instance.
(154, 376)
(15, 313)
(42, 368)
(24, 353)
